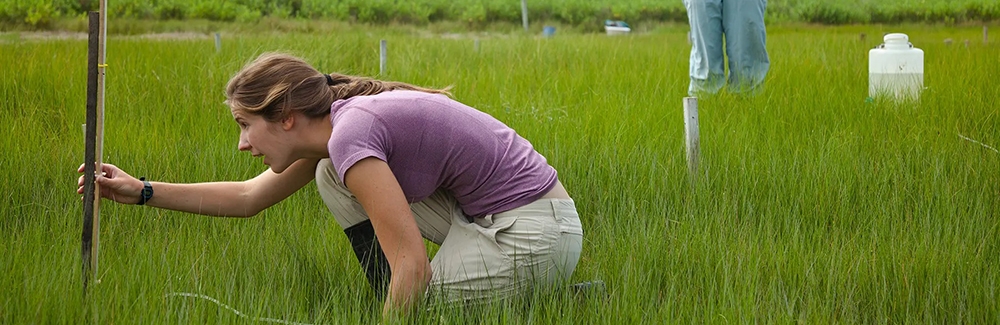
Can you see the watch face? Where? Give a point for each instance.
(147, 192)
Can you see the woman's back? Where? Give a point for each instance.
(432, 142)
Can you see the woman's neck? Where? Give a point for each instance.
(315, 135)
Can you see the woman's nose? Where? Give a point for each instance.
(243, 145)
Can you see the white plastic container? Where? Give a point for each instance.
(896, 69)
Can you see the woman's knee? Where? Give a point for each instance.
(327, 179)
(338, 199)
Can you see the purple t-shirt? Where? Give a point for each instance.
(432, 142)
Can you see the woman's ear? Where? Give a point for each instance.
(288, 122)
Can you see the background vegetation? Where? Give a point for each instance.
(476, 13)
(813, 206)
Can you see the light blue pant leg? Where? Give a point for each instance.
(743, 24)
(707, 69)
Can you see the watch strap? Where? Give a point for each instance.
(146, 193)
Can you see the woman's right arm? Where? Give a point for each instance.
(228, 199)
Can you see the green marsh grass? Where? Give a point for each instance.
(812, 205)
(587, 14)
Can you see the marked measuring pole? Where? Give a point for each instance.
(691, 134)
(90, 239)
(381, 57)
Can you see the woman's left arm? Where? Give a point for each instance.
(378, 191)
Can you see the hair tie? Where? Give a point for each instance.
(329, 80)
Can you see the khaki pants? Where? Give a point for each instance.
(531, 247)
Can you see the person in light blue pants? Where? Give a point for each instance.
(742, 23)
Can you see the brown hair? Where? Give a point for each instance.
(275, 84)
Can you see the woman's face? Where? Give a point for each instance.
(264, 139)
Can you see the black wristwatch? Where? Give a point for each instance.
(147, 191)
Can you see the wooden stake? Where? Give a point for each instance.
(524, 14)
(381, 58)
(90, 152)
(691, 135)
(93, 143)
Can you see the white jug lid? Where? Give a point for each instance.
(895, 37)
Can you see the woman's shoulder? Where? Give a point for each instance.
(404, 105)
(399, 95)
(404, 94)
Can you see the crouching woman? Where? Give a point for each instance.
(395, 164)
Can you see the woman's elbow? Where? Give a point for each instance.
(251, 210)
(418, 275)
(249, 205)
(240, 209)
(428, 273)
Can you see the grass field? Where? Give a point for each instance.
(812, 206)
(46, 14)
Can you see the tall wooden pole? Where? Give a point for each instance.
(93, 143)
(89, 159)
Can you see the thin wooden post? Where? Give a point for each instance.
(524, 14)
(218, 42)
(90, 151)
(691, 135)
(93, 144)
(381, 57)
